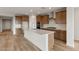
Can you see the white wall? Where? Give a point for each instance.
(7, 24)
(32, 22)
(0, 25)
(76, 23)
(70, 26)
(13, 25)
(25, 25)
(18, 23)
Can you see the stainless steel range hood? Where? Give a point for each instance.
(52, 16)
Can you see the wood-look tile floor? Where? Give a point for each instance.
(9, 42)
(61, 46)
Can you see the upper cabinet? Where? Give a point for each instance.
(22, 18)
(39, 18)
(25, 18)
(61, 17)
(43, 19)
(18, 18)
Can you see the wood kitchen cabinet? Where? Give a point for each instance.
(25, 18)
(22, 18)
(18, 18)
(57, 34)
(43, 19)
(60, 34)
(63, 35)
(61, 17)
(39, 19)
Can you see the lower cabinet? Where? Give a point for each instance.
(60, 34)
(56, 35)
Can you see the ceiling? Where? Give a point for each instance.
(28, 10)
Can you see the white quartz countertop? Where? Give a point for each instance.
(61, 29)
(39, 31)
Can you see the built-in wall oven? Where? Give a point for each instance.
(38, 25)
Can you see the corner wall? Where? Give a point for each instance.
(13, 26)
(70, 26)
(32, 22)
(76, 23)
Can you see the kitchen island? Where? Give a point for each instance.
(43, 39)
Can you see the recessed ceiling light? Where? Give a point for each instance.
(50, 8)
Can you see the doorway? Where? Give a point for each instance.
(6, 24)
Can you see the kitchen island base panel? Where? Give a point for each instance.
(43, 39)
(50, 41)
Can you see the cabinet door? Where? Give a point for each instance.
(18, 18)
(42, 19)
(25, 18)
(45, 19)
(57, 34)
(61, 17)
(39, 18)
(63, 35)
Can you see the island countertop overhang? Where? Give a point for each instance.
(42, 32)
